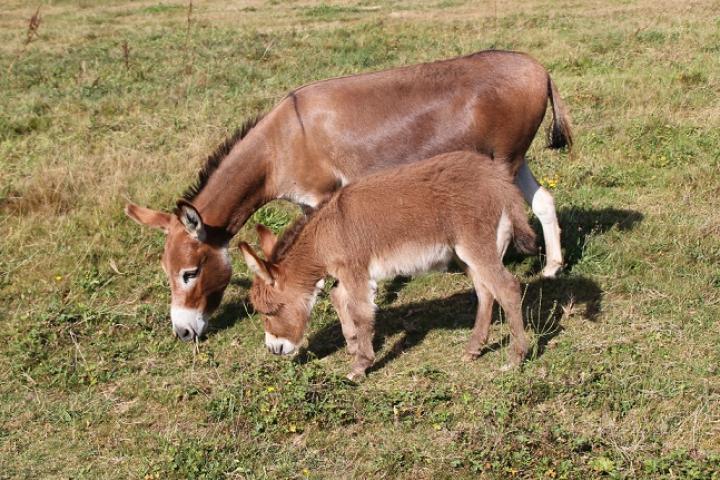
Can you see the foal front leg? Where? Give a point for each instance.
(339, 298)
(360, 309)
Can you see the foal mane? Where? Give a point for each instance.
(221, 152)
(291, 234)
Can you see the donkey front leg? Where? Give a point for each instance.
(543, 207)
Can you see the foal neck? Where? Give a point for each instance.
(300, 259)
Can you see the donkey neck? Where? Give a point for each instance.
(238, 187)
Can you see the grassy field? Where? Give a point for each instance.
(105, 101)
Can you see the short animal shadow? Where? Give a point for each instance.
(578, 226)
(230, 313)
(546, 303)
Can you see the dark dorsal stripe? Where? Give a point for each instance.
(215, 159)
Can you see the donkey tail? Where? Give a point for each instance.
(559, 135)
(523, 235)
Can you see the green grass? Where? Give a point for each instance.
(623, 380)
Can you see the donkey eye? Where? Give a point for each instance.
(189, 274)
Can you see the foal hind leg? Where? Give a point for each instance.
(543, 207)
(483, 318)
(490, 272)
(507, 293)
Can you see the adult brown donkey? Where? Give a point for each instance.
(329, 133)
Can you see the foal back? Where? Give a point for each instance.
(421, 211)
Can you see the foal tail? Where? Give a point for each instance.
(523, 235)
(559, 135)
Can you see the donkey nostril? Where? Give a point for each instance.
(184, 334)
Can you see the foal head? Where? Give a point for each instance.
(284, 302)
(195, 261)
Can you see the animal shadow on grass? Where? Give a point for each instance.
(543, 310)
(546, 302)
(232, 312)
(579, 225)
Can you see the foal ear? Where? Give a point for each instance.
(267, 239)
(256, 264)
(190, 217)
(148, 217)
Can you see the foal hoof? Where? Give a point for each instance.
(509, 367)
(514, 362)
(356, 377)
(470, 357)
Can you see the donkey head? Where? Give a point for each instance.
(284, 303)
(195, 261)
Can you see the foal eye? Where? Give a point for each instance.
(189, 274)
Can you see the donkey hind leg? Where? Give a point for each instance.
(501, 284)
(361, 312)
(339, 298)
(543, 207)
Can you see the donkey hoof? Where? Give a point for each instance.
(551, 270)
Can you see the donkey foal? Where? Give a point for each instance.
(400, 221)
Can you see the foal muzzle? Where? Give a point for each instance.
(278, 345)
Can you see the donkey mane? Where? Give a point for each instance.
(221, 152)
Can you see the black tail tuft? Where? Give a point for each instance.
(559, 135)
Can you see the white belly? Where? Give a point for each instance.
(410, 259)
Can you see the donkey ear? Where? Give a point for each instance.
(256, 264)
(190, 217)
(267, 239)
(148, 217)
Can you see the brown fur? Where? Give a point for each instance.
(453, 201)
(339, 130)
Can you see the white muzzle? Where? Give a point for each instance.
(187, 323)
(279, 346)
